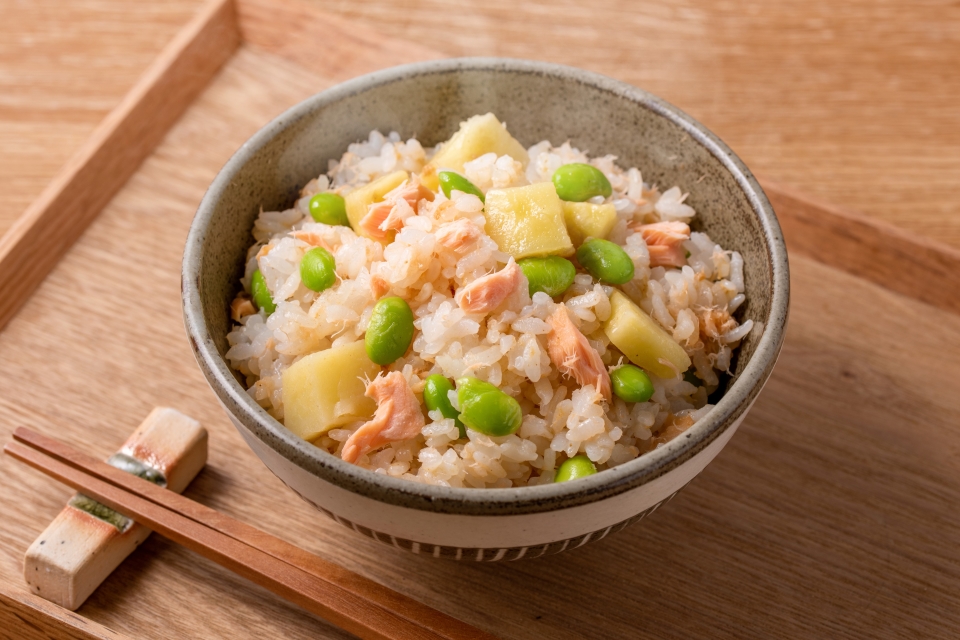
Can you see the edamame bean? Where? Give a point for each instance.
(435, 397)
(578, 182)
(486, 409)
(451, 181)
(329, 208)
(261, 293)
(631, 384)
(551, 275)
(318, 269)
(390, 330)
(575, 467)
(605, 261)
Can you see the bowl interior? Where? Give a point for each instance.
(537, 102)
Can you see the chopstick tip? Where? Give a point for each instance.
(15, 449)
(23, 433)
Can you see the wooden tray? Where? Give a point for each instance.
(833, 513)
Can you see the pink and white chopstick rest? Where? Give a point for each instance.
(87, 541)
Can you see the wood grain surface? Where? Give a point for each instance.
(875, 250)
(36, 240)
(27, 617)
(854, 102)
(833, 512)
(63, 66)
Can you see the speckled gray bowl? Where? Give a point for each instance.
(538, 101)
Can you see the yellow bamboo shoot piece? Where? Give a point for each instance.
(477, 136)
(325, 390)
(585, 220)
(527, 221)
(642, 340)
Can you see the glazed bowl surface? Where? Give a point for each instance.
(538, 101)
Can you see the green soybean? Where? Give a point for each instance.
(329, 208)
(451, 181)
(578, 182)
(486, 409)
(605, 261)
(551, 275)
(575, 467)
(261, 293)
(631, 384)
(318, 269)
(390, 330)
(435, 396)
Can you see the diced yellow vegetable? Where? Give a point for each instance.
(324, 390)
(642, 340)
(358, 201)
(477, 136)
(585, 220)
(527, 221)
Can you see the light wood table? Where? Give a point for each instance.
(832, 513)
(63, 67)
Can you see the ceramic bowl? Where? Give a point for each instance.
(538, 101)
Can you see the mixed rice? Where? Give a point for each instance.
(690, 288)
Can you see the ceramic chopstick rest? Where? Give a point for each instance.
(87, 541)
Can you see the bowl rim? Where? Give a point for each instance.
(471, 501)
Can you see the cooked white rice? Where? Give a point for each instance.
(507, 347)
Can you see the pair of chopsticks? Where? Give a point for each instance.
(350, 601)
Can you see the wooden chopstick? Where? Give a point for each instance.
(346, 599)
(437, 622)
(317, 596)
